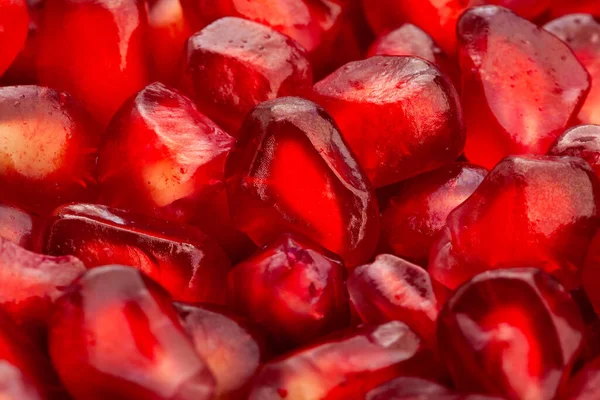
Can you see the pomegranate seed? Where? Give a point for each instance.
(585, 385)
(14, 22)
(48, 152)
(32, 282)
(115, 334)
(578, 32)
(17, 225)
(163, 158)
(399, 115)
(410, 40)
(581, 141)
(406, 388)
(231, 349)
(522, 109)
(393, 289)
(513, 333)
(293, 289)
(347, 366)
(190, 265)
(233, 65)
(290, 171)
(414, 211)
(94, 50)
(529, 211)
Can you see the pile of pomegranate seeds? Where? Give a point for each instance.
(300, 199)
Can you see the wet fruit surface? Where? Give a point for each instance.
(290, 171)
(190, 265)
(293, 289)
(581, 141)
(48, 151)
(14, 21)
(234, 64)
(115, 334)
(522, 109)
(399, 115)
(507, 221)
(17, 225)
(514, 333)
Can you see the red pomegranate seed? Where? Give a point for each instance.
(14, 22)
(410, 40)
(94, 50)
(529, 211)
(293, 289)
(393, 289)
(190, 265)
(229, 346)
(291, 171)
(580, 32)
(513, 333)
(399, 115)
(522, 109)
(561, 7)
(346, 366)
(163, 158)
(407, 388)
(581, 141)
(234, 64)
(168, 31)
(48, 152)
(25, 372)
(317, 25)
(585, 385)
(32, 282)
(17, 225)
(115, 334)
(414, 211)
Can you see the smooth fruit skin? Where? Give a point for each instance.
(414, 211)
(513, 333)
(293, 289)
(399, 115)
(233, 64)
(537, 211)
(48, 156)
(14, 23)
(18, 225)
(114, 334)
(291, 171)
(522, 109)
(186, 262)
(578, 32)
(346, 366)
(230, 346)
(161, 157)
(410, 40)
(95, 50)
(580, 141)
(391, 288)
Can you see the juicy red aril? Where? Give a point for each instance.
(521, 109)
(585, 385)
(407, 388)
(414, 211)
(232, 350)
(513, 333)
(163, 158)
(399, 115)
(529, 211)
(346, 366)
(48, 152)
(190, 265)
(317, 25)
(17, 225)
(115, 334)
(290, 171)
(293, 289)
(14, 22)
(393, 289)
(32, 282)
(94, 50)
(579, 31)
(410, 40)
(581, 141)
(234, 64)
